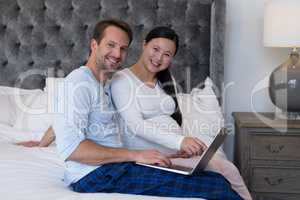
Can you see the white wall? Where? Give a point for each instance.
(247, 61)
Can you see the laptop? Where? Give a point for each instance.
(188, 166)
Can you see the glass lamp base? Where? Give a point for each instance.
(284, 85)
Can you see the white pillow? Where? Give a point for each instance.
(43, 108)
(4, 90)
(202, 115)
(10, 100)
(35, 115)
(8, 110)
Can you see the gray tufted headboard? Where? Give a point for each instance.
(51, 37)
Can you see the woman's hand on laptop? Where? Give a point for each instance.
(192, 146)
(152, 157)
(179, 154)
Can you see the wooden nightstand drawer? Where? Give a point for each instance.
(277, 180)
(275, 147)
(267, 153)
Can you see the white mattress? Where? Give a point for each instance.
(36, 173)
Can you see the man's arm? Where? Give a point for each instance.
(73, 144)
(91, 153)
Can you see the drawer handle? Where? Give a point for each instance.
(274, 148)
(273, 182)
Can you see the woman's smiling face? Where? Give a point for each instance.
(157, 54)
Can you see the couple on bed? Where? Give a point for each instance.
(87, 135)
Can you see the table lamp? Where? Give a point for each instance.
(282, 29)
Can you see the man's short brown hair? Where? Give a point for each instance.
(102, 25)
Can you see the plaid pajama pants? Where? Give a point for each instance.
(130, 178)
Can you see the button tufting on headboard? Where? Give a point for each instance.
(4, 63)
(127, 7)
(30, 27)
(57, 27)
(85, 26)
(72, 45)
(44, 45)
(43, 34)
(18, 8)
(17, 44)
(57, 63)
(31, 63)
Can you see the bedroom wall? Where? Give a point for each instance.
(248, 63)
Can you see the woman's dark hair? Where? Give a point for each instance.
(165, 77)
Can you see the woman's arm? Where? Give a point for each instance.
(124, 95)
(46, 140)
(161, 130)
(29, 143)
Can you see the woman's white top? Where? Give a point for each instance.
(145, 114)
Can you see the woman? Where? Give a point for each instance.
(144, 96)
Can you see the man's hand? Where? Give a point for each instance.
(91, 153)
(151, 157)
(192, 146)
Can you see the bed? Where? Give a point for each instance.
(46, 39)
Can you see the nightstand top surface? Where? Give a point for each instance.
(252, 120)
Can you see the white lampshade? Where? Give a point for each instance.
(282, 23)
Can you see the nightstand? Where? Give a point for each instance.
(267, 153)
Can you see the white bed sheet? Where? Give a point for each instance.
(36, 173)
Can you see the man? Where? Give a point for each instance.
(87, 136)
